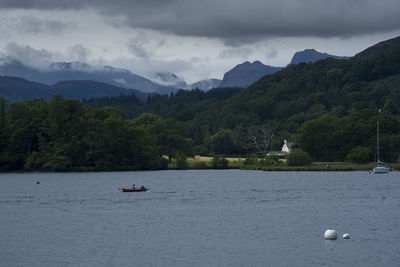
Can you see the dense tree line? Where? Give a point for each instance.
(288, 98)
(183, 105)
(352, 137)
(67, 135)
(329, 108)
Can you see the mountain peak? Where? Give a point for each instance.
(61, 71)
(257, 62)
(381, 46)
(244, 74)
(311, 55)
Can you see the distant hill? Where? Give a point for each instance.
(91, 89)
(18, 89)
(311, 55)
(382, 46)
(331, 92)
(64, 71)
(302, 92)
(295, 94)
(246, 73)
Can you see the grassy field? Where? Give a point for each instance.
(200, 162)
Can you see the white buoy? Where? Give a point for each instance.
(346, 236)
(330, 234)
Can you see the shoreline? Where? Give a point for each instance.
(314, 167)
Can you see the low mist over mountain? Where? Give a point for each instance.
(169, 79)
(246, 73)
(77, 80)
(311, 55)
(64, 71)
(205, 85)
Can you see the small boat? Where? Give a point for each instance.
(379, 164)
(141, 189)
(381, 169)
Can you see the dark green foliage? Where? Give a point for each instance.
(317, 137)
(251, 160)
(329, 108)
(199, 165)
(62, 135)
(219, 162)
(223, 142)
(332, 139)
(18, 89)
(272, 160)
(298, 157)
(181, 162)
(167, 133)
(326, 90)
(360, 155)
(183, 105)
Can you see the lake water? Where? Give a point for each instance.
(199, 218)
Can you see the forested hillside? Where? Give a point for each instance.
(306, 91)
(287, 99)
(328, 108)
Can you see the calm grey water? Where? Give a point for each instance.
(199, 218)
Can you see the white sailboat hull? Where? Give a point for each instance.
(381, 169)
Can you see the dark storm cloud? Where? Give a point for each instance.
(33, 24)
(239, 52)
(78, 52)
(143, 46)
(237, 20)
(27, 54)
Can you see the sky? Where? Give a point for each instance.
(195, 39)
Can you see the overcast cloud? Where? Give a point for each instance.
(237, 18)
(29, 55)
(219, 32)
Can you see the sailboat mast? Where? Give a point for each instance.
(377, 140)
(379, 165)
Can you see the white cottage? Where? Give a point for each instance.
(286, 146)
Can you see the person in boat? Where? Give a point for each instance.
(133, 187)
(142, 187)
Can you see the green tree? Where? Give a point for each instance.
(181, 162)
(298, 157)
(316, 137)
(170, 138)
(360, 155)
(223, 142)
(219, 162)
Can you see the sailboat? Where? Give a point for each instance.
(379, 164)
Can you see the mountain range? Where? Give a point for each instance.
(329, 108)
(311, 55)
(246, 73)
(18, 89)
(64, 71)
(77, 80)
